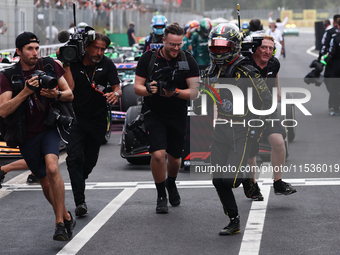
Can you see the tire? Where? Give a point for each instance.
(109, 125)
(290, 114)
(129, 98)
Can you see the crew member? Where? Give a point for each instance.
(269, 67)
(199, 43)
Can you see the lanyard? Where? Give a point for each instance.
(87, 77)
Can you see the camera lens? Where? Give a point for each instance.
(69, 53)
(48, 82)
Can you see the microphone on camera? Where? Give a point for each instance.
(63, 36)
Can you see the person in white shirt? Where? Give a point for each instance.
(71, 29)
(3, 29)
(279, 25)
(274, 32)
(51, 39)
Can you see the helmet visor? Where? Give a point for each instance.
(221, 46)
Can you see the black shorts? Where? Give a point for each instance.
(34, 150)
(165, 134)
(271, 127)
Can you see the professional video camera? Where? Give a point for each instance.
(165, 76)
(54, 117)
(315, 75)
(74, 49)
(249, 47)
(45, 81)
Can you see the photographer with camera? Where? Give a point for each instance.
(88, 78)
(25, 101)
(165, 108)
(268, 66)
(232, 136)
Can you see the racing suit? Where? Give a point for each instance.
(153, 41)
(232, 136)
(200, 49)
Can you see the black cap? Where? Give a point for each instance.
(25, 38)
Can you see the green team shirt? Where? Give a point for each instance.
(185, 43)
(200, 48)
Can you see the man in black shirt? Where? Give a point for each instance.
(334, 60)
(131, 34)
(165, 112)
(325, 44)
(89, 80)
(269, 66)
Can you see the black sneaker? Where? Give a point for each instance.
(69, 225)
(2, 177)
(283, 188)
(174, 198)
(32, 180)
(257, 195)
(60, 233)
(162, 205)
(232, 228)
(81, 210)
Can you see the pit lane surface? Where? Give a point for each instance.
(121, 198)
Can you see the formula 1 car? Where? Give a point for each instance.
(134, 150)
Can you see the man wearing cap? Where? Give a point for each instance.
(131, 34)
(26, 105)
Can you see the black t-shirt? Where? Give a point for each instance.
(269, 72)
(170, 107)
(129, 32)
(88, 103)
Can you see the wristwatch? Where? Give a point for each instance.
(176, 92)
(116, 93)
(59, 95)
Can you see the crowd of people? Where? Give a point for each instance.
(216, 51)
(94, 4)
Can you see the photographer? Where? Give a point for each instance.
(165, 111)
(89, 81)
(268, 66)
(25, 98)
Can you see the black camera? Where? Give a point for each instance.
(45, 81)
(166, 76)
(74, 50)
(315, 75)
(54, 117)
(137, 127)
(249, 47)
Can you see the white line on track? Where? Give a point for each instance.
(93, 226)
(253, 232)
(309, 51)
